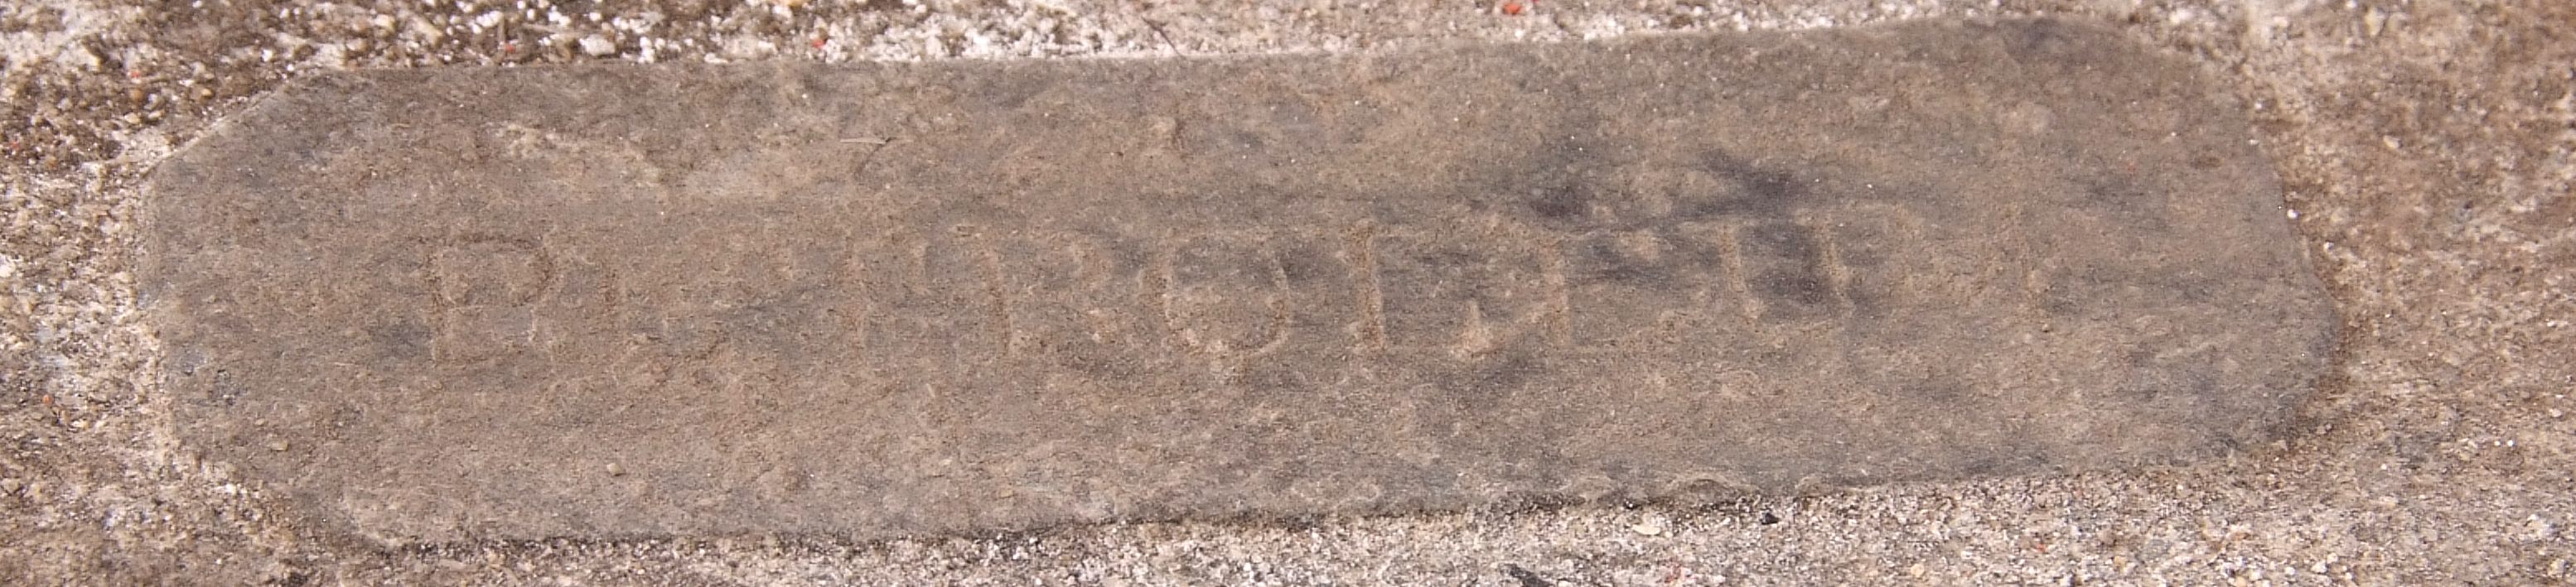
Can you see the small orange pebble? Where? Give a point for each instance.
(59, 414)
(818, 42)
(1512, 8)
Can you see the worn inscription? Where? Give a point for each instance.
(1463, 290)
(906, 298)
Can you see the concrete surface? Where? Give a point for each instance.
(620, 300)
(2427, 148)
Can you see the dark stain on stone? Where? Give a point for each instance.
(1524, 576)
(2041, 37)
(1306, 264)
(1555, 183)
(1601, 260)
(405, 339)
(2127, 202)
(1801, 278)
(1760, 192)
(1561, 203)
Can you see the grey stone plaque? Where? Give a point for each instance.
(886, 299)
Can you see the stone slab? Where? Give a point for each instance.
(887, 299)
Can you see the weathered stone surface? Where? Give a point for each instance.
(901, 298)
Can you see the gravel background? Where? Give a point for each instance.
(2429, 149)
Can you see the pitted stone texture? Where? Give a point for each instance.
(922, 298)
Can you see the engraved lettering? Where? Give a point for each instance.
(1447, 286)
(1828, 261)
(1369, 332)
(930, 297)
(1313, 291)
(1630, 281)
(1225, 295)
(2031, 264)
(1076, 298)
(1560, 301)
(1877, 248)
(1730, 250)
(1784, 267)
(996, 302)
(483, 295)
